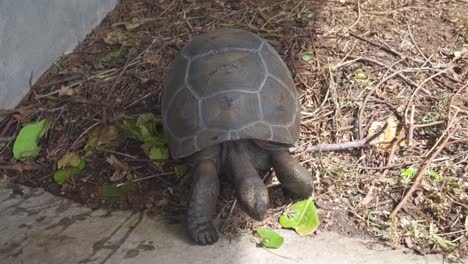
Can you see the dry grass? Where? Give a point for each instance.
(414, 60)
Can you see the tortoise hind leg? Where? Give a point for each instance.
(202, 208)
(293, 177)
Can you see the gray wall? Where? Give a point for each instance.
(33, 33)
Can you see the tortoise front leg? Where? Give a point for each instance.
(202, 208)
(252, 193)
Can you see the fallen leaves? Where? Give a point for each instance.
(269, 238)
(69, 165)
(26, 143)
(101, 136)
(301, 216)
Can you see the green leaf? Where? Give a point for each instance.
(408, 175)
(435, 175)
(25, 145)
(114, 55)
(134, 23)
(359, 75)
(61, 176)
(301, 216)
(409, 172)
(269, 238)
(69, 165)
(180, 170)
(306, 57)
(159, 153)
(147, 129)
(118, 37)
(111, 191)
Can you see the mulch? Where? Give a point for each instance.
(356, 64)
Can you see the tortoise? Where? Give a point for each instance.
(230, 107)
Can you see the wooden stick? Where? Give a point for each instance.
(335, 147)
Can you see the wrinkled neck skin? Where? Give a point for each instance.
(258, 151)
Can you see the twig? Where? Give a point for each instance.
(148, 177)
(414, 42)
(380, 46)
(398, 165)
(358, 18)
(411, 127)
(334, 147)
(364, 102)
(6, 139)
(399, 74)
(419, 175)
(420, 86)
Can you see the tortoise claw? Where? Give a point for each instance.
(204, 233)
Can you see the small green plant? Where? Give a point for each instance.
(408, 174)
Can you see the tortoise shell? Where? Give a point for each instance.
(228, 84)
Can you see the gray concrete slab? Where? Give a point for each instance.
(37, 227)
(33, 33)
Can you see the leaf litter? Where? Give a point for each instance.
(398, 49)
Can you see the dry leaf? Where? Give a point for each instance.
(69, 159)
(112, 160)
(385, 139)
(65, 90)
(98, 138)
(152, 58)
(121, 168)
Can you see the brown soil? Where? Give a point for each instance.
(324, 43)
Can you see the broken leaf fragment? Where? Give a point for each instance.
(121, 168)
(408, 174)
(180, 170)
(269, 238)
(26, 143)
(134, 23)
(114, 55)
(301, 216)
(66, 91)
(118, 37)
(306, 57)
(101, 136)
(385, 138)
(70, 159)
(146, 128)
(159, 153)
(359, 75)
(111, 191)
(69, 165)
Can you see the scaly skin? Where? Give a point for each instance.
(252, 194)
(293, 177)
(202, 208)
(241, 160)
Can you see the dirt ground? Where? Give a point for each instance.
(361, 68)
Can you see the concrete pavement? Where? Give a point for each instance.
(37, 227)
